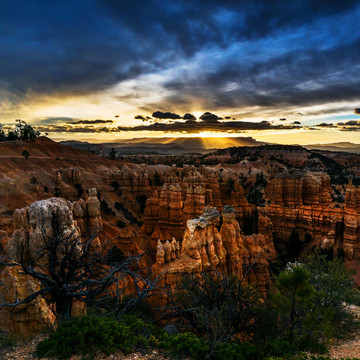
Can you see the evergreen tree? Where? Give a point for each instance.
(25, 154)
(112, 154)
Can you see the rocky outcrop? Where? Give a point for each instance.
(202, 241)
(56, 176)
(205, 248)
(42, 219)
(167, 252)
(25, 320)
(35, 225)
(74, 175)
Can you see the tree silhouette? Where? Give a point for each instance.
(25, 154)
(112, 154)
(80, 269)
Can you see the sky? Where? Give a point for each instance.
(280, 71)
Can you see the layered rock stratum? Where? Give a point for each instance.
(236, 210)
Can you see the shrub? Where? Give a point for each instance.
(57, 192)
(79, 189)
(115, 185)
(187, 344)
(333, 283)
(87, 335)
(25, 154)
(104, 206)
(293, 298)
(112, 154)
(118, 206)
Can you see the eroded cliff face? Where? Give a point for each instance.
(304, 215)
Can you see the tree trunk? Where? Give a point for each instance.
(292, 314)
(63, 307)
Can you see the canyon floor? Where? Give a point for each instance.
(263, 205)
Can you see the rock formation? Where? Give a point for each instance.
(202, 241)
(205, 248)
(294, 191)
(34, 225)
(74, 175)
(56, 176)
(129, 181)
(163, 215)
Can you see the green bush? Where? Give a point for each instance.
(238, 351)
(88, 335)
(104, 206)
(187, 344)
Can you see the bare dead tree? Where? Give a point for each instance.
(79, 269)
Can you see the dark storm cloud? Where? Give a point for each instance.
(209, 117)
(189, 116)
(290, 79)
(67, 48)
(165, 115)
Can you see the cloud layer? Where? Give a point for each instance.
(223, 56)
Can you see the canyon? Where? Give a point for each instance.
(241, 211)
